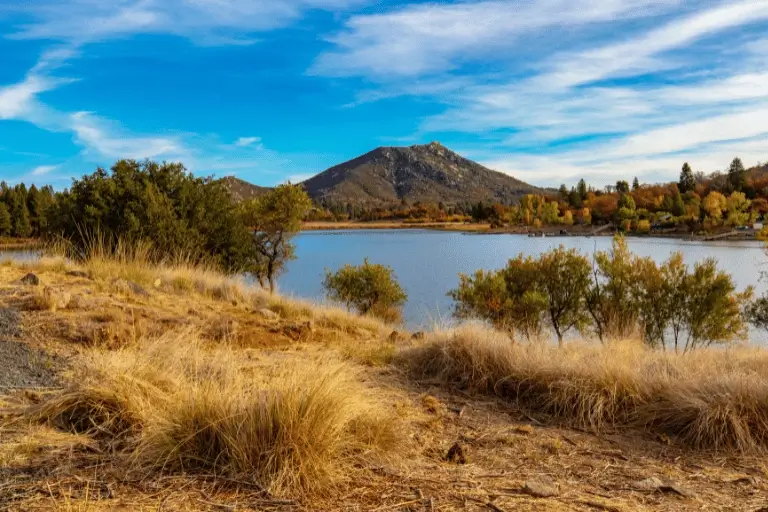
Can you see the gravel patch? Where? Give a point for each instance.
(22, 366)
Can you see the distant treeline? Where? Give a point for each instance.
(23, 212)
(697, 201)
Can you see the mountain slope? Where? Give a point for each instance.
(426, 173)
(241, 190)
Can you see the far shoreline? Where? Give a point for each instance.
(548, 231)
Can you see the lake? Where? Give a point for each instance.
(427, 263)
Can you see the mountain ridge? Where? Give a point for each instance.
(420, 173)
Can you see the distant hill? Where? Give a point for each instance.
(426, 173)
(241, 190)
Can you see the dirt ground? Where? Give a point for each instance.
(459, 451)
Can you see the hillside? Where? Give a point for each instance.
(426, 173)
(241, 190)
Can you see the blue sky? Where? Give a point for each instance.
(546, 90)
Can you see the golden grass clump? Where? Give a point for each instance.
(713, 399)
(174, 406)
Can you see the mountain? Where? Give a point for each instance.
(242, 190)
(426, 173)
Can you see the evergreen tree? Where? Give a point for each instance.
(678, 206)
(622, 187)
(20, 226)
(687, 182)
(574, 198)
(635, 184)
(737, 175)
(5, 220)
(564, 193)
(582, 189)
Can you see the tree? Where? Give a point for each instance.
(736, 175)
(622, 187)
(677, 208)
(635, 184)
(737, 206)
(713, 308)
(581, 187)
(713, 205)
(5, 220)
(564, 277)
(20, 225)
(507, 298)
(179, 214)
(369, 288)
(275, 218)
(563, 193)
(610, 301)
(687, 181)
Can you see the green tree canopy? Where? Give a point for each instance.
(368, 288)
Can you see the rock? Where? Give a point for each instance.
(267, 314)
(654, 484)
(541, 489)
(57, 299)
(30, 279)
(78, 273)
(158, 283)
(129, 287)
(457, 454)
(418, 335)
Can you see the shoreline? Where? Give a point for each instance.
(551, 231)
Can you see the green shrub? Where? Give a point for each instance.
(370, 289)
(179, 214)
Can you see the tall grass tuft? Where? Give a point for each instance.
(176, 407)
(712, 399)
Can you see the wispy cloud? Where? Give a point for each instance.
(247, 141)
(574, 89)
(430, 38)
(206, 22)
(42, 170)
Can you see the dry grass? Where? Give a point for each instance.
(172, 406)
(712, 399)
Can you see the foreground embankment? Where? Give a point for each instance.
(134, 386)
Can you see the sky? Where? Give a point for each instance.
(548, 91)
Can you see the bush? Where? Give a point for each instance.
(621, 295)
(368, 288)
(520, 297)
(163, 204)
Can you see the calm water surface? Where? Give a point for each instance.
(427, 263)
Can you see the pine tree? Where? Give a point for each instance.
(737, 175)
(687, 182)
(5, 220)
(582, 189)
(635, 184)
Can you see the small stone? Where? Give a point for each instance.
(457, 454)
(268, 314)
(130, 287)
(58, 299)
(30, 279)
(540, 489)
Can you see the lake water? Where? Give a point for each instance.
(427, 263)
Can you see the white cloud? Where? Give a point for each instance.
(428, 38)
(247, 141)
(97, 135)
(207, 22)
(43, 170)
